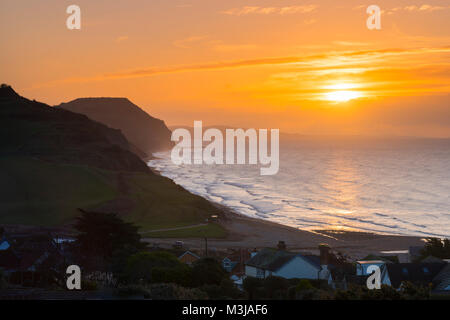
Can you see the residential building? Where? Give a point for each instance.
(363, 265)
(290, 265)
(234, 262)
(188, 257)
(442, 280)
(421, 274)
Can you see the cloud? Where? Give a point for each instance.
(424, 7)
(417, 8)
(187, 42)
(121, 38)
(317, 62)
(350, 43)
(233, 47)
(410, 8)
(309, 21)
(246, 10)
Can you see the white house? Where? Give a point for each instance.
(289, 265)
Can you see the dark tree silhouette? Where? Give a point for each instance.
(439, 248)
(102, 234)
(207, 271)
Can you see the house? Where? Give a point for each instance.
(421, 274)
(415, 253)
(9, 261)
(431, 259)
(4, 244)
(238, 281)
(289, 265)
(188, 257)
(235, 262)
(28, 259)
(228, 265)
(363, 265)
(442, 280)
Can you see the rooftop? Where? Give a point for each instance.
(419, 273)
(270, 259)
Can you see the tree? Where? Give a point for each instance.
(100, 235)
(303, 285)
(251, 286)
(439, 248)
(207, 271)
(3, 282)
(275, 287)
(412, 292)
(157, 267)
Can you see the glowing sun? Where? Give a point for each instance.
(342, 96)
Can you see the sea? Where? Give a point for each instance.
(398, 186)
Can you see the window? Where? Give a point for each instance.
(259, 273)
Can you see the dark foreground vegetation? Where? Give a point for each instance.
(115, 263)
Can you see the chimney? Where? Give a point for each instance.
(281, 245)
(324, 254)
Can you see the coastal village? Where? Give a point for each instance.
(29, 263)
(80, 194)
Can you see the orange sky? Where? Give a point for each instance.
(265, 64)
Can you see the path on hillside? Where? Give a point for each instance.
(178, 228)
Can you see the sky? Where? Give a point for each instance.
(310, 67)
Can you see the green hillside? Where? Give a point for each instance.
(36, 192)
(54, 162)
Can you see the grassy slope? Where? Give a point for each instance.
(34, 192)
(170, 204)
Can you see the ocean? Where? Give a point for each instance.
(395, 186)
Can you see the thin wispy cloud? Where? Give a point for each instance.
(350, 43)
(425, 8)
(309, 21)
(246, 10)
(187, 42)
(121, 38)
(320, 61)
(222, 47)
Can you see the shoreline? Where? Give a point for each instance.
(248, 232)
(252, 233)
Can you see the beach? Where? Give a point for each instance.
(251, 233)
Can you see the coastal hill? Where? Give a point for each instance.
(142, 130)
(33, 129)
(55, 161)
